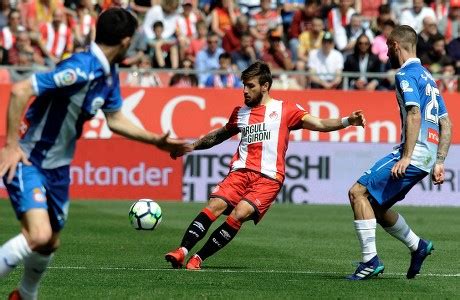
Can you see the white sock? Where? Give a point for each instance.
(402, 232)
(185, 250)
(365, 230)
(12, 253)
(34, 268)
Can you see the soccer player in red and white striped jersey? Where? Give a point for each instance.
(257, 168)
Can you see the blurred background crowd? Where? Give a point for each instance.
(207, 43)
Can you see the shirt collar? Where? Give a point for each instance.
(410, 61)
(96, 50)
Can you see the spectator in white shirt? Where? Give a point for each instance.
(414, 16)
(345, 37)
(167, 14)
(325, 65)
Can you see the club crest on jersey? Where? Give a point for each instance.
(405, 86)
(96, 104)
(38, 195)
(273, 115)
(65, 78)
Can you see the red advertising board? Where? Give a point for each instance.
(123, 169)
(190, 113)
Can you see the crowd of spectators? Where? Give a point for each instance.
(220, 38)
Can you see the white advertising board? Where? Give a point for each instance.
(319, 173)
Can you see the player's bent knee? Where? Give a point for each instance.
(356, 193)
(217, 206)
(39, 237)
(243, 212)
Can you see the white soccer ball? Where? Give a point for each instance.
(145, 214)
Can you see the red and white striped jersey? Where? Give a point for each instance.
(8, 38)
(86, 23)
(56, 41)
(264, 136)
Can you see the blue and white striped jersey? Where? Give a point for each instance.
(67, 97)
(416, 86)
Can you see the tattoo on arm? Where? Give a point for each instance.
(444, 139)
(413, 123)
(213, 138)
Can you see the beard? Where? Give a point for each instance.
(121, 55)
(253, 102)
(394, 61)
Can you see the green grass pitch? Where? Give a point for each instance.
(296, 252)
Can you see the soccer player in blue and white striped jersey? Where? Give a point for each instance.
(35, 166)
(425, 141)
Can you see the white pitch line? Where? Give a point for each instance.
(233, 271)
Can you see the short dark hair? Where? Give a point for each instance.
(158, 24)
(389, 23)
(312, 2)
(258, 69)
(436, 38)
(225, 55)
(13, 11)
(406, 36)
(113, 25)
(384, 9)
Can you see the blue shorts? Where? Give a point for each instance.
(383, 187)
(33, 187)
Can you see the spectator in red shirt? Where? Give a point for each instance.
(449, 26)
(232, 38)
(57, 38)
(186, 27)
(340, 16)
(8, 33)
(24, 45)
(276, 55)
(223, 17)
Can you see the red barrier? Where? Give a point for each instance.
(190, 113)
(123, 169)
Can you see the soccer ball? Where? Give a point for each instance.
(145, 214)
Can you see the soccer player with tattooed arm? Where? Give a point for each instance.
(425, 140)
(257, 169)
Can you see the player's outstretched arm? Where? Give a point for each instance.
(121, 125)
(310, 122)
(11, 154)
(445, 135)
(211, 139)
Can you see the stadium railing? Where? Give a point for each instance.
(282, 79)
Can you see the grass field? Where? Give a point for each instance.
(296, 252)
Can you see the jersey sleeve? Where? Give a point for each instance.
(232, 124)
(67, 74)
(294, 115)
(408, 88)
(114, 101)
